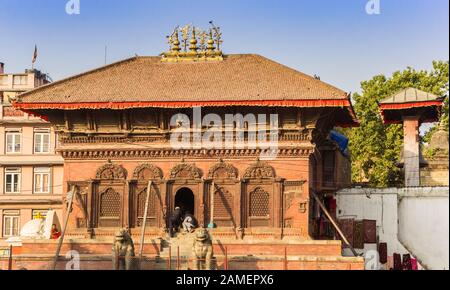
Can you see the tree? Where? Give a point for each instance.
(375, 147)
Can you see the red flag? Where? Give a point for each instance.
(35, 54)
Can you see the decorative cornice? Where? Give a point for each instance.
(100, 154)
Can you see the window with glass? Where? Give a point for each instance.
(13, 142)
(20, 80)
(42, 141)
(11, 224)
(12, 180)
(42, 180)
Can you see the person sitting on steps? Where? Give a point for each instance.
(189, 223)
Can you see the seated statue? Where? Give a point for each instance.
(123, 255)
(203, 251)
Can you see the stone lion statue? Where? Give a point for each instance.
(123, 255)
(202, 251)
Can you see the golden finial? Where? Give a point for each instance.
(203, 36)
(193, 46)
(190, 43)
(211, 42)
(173, 40)
(185, 35)
(217, 35)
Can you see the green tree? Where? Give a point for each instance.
(376, 147)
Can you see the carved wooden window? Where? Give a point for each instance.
(223, 204)
(142, 196)
(152, 208)
(110, 204)
(259, 203)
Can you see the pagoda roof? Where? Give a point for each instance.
(143, 82)
(411, 102)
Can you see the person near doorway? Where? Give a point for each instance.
(175, 221)
(189, 223)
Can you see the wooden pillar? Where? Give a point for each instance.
(163, 221)
(126, 205)
(238, 204)
(278, 203)
(202, 208)
(91, 204)
(166, 200)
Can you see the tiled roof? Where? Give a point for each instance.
(147, 79)
(410, 95)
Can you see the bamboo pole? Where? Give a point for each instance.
(71, 195)
(144, 222)
(335, 225)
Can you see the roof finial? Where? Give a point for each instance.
(193, 46)
(174, 40)
(210, 47)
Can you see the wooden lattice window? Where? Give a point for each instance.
(223, 204)
(110, 204)
(142, 196)
(259, 203)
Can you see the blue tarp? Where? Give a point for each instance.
(341, 140)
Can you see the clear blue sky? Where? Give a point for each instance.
(335, 39)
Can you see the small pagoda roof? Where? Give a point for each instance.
(411, 102)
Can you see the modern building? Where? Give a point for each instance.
(30, 171)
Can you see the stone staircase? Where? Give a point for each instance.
(180, 244)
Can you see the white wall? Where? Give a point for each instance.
(424, 225)
(373, 204)
(409, 220)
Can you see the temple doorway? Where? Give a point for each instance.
(185, 199)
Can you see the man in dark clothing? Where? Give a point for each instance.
(175, 221)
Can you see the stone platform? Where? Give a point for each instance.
(246, 254)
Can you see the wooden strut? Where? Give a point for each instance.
(71, 194)
(144, 222)
(335, 225)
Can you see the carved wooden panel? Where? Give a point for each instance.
(185, 171)
(111, 172)
(109, 208)
(259, 203)
(259, 170)
(153, 207)
(223, 204)
(223, 170)
(147, 172)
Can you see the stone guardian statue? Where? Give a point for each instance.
(203, 251)
(123, 255)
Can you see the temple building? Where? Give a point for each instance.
(120, 128)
